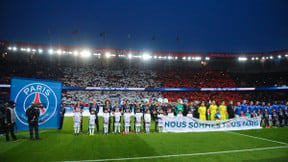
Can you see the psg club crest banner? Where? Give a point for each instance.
(185, 124)
(25, 91)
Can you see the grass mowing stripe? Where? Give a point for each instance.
(264, 139)
(183, 155)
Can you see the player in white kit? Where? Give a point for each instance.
(147, 119)
(138, 118)
(92, 119)
(160, 121)
(117, 121)
(77, 121)
(106, 117)
(127, 121)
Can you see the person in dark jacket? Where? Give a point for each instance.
(230, 110)
(62, 113)
(33, 114)
(10, 121)
(3, 117)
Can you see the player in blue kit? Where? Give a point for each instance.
(244, 106)
(263, 106)
(251, 107)
(257, 106)
(269, 107)
(238, 110)
(275, 106)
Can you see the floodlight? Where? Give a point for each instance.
(59, 52)
(85, 53)
(40, 50)
(279, 56)
(75, 53)
(28, 50)
(207, 58)
(242, 58)
(50, 51)
(146, 56)
(130, 55)
(198, 58)
(14, 48)
(271, 57)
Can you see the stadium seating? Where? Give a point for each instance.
(126, 73)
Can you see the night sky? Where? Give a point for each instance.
(170, 25)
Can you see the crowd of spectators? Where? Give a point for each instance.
(123, 72)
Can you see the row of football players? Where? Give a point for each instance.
(115, 118)
(203, 111)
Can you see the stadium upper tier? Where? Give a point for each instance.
(119, 71)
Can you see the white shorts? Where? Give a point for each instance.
(76, 125)
(138, 125)
(106, 125)
(117, 124)
(91, 126)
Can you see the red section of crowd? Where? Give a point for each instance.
(198, 80)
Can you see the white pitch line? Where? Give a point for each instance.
(177, 155)
(264, 139)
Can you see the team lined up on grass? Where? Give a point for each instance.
(276, 114)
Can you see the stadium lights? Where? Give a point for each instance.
(184, 58)
(267, 57)
(28, 50)
(85, 53)
(14, 48)
(146, 56)
(198, 58)
(75, 53)
(9, 48)
(59, 52)
(33, 50)
(252, 58)
(207, 58)
(130, 55)
(256, 58)
(155, 57)
(189, 58)
(242, 58)
(175, 57)
(50, 51)
(170, 57)
(40, 50)
(279, 56)
(107, 54)
(271, 57)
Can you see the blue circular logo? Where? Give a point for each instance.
(38, 93)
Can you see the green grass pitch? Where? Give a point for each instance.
(251, 145)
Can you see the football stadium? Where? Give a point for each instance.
(144, 81)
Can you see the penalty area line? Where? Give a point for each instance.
(260, 138)
(185, 155)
